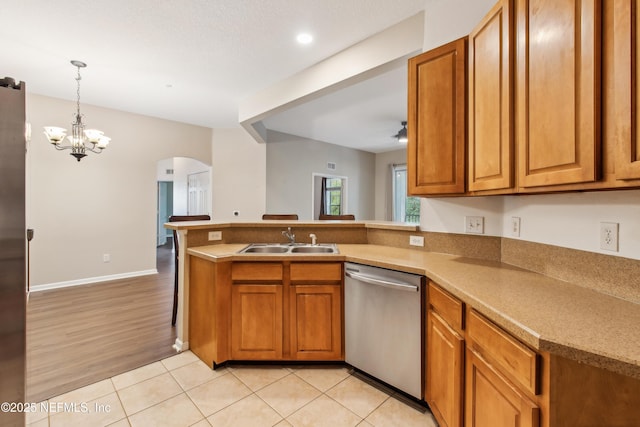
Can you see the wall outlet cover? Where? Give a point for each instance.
(215, 235)
(609, 236)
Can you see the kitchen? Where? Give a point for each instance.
(564, 220)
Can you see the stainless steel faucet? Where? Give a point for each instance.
(289, 235)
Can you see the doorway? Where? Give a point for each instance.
(184, 188)
(198, 193)
(165, 210)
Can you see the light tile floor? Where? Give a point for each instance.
(183, 391)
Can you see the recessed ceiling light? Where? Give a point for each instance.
(304, 38)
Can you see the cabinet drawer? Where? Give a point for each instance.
(447, 306)
(511, 357)
(316, 271)
(256, 271)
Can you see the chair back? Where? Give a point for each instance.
(347, 217)
(280, 216)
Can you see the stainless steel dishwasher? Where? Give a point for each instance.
(383, 332)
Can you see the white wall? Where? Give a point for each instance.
(573, 220)
(569, 220)
(105, 204)
(384, 183)
(162, 167)
(447, 214)
(448, 20)
(182, 168)
(238, 175)
(292, 161)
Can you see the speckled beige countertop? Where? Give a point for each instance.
(547, 314)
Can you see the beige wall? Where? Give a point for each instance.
(293, 160)
(105, 204)
(238, 175)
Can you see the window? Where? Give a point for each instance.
(333, 196)
(405, 208)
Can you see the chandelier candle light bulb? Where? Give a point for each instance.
(79, 138)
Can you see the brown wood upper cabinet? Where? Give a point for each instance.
(552, 103)
(491, 113)
(437, 120)
(558, 91)
(626, 39)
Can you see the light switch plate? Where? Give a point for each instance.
(474, 224)
(515, 226)
(416, 240)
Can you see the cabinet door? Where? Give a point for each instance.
(316, 322)
(256, 322)
(491, 401)
(558, 91)
(437, 120)
(444, 373)
(627, 74)
(491, 114)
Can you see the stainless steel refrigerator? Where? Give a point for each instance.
(13, 252)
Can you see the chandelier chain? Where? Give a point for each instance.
(78, 92)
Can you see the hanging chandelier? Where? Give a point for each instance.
(80, 139)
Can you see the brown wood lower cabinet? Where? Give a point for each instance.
(265, 310)
(445, 371)
(256, 322)
(479, 375)
(316, 322)
(491, 401)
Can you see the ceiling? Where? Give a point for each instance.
(194, 61)
(365, 115)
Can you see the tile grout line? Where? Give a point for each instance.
(184, 391)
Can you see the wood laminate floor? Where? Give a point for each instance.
(80, 335)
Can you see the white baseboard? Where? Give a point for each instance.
(89, 280)
(180, 346)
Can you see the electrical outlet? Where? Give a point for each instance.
(416, 240)
(215, 235)
(515, 226)
(474, 224)
(609, 236)
(106, 258)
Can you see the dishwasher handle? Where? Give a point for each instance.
(379, 281)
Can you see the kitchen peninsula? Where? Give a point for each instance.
(575, 337)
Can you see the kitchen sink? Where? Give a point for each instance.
(318, 249)
(266, 249)
(292, 248)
